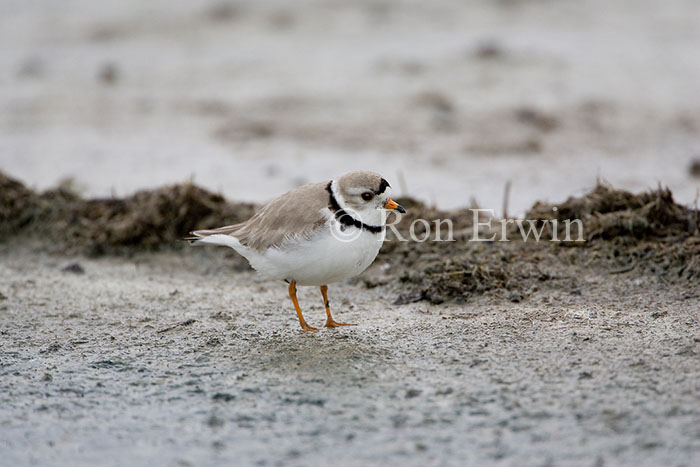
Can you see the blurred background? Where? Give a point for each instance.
(449, 100)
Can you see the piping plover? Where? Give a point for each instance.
(313, 235)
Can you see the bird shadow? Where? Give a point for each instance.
(325, 354)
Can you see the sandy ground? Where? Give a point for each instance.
(176, 359)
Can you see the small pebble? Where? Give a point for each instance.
(108, 74)
(223, 396)
(411, 393)
(694, 168)
(75, 268)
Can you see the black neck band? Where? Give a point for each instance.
(346, 219)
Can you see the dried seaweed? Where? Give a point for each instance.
(149, 219)
(627, 235)
(609, 213)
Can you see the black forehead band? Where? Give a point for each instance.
(382, 187)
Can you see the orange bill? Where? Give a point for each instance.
(393, 205)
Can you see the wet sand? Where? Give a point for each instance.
(254, 98)
(177, 359)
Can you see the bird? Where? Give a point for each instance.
(313, 235)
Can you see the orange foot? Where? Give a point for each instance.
(332, 324)
(293, 296)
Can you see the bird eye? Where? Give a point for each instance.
(367, 196)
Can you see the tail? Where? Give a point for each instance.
(224, 236)
(220, 236)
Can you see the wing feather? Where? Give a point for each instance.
(296, 214)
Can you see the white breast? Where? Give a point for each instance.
(328, 256)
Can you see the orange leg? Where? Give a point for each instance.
(293, 296)
(329, 319)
